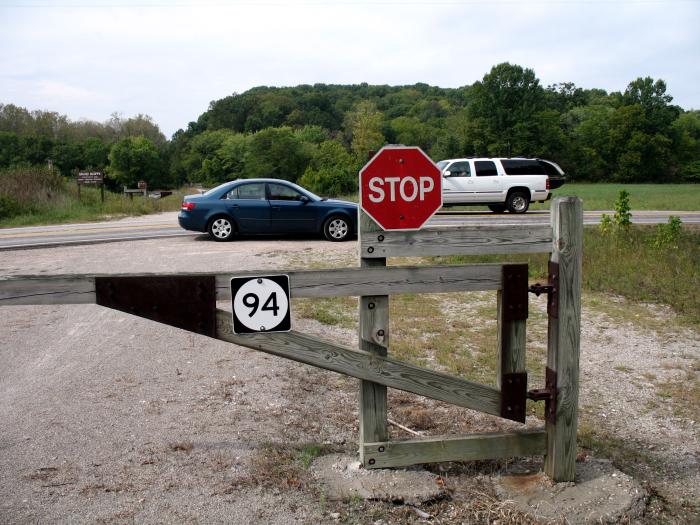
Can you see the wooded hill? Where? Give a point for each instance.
(321, 135)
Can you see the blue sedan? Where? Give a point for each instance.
(268, 207)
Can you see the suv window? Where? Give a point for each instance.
(522, 167)
(549, 169)
(460, 169)
(280, 192)
(251, 191)
(485, 168)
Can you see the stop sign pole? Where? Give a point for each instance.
(400, 188)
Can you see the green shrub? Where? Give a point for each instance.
(667, 235)
(622, 210)
(606, 224)
(9, 207)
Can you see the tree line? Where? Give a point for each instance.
(321, 135)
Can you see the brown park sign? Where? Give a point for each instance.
(90, 177)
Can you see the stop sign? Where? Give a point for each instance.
(400, 188)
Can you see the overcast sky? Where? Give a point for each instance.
(87, 59)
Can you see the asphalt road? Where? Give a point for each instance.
(165, 225)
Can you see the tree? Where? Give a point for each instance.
(508, 96)
(363, 128)
(276, 153)
(649, 94)
(133, 159)
(331, 171)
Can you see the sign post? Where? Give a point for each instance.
(400, 189)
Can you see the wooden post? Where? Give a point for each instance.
(564, 337)
(374, 338)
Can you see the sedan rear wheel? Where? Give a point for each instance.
(221, 229)
(336, 229)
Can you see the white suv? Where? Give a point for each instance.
(501, 184)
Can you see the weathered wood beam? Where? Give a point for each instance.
(80, 289)
(459, 240)
(459, 448)
(365, 365)
(373, 337)
(564, 338)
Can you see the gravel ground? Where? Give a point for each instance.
(108, 418)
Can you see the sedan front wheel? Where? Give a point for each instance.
(221, 229)
(336, 229)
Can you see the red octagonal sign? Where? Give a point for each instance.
(400, 188)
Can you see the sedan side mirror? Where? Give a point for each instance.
(446, 173)
(304, 199)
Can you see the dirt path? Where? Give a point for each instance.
(108, 418)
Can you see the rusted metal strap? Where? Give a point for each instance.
(514, 294)
(548, 394)
(187, 302)
(514, 396)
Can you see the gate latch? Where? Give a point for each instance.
(538, 289)
(551, 289)
(548, 394)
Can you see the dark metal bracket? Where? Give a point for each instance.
(551, 289)
(514, 396)
(548, 394)
(514, 292)
(187, 302)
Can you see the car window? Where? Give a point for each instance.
(460, 169)
(251, 191)
(522, 167)
(550, 169)
(280, 192)
(485, 168)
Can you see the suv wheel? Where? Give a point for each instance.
(518, 202)
(221, 229)
(497, 208)
(336, 228)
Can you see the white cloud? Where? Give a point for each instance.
(89, 58)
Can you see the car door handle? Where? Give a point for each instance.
(276, 208)
(234, 205)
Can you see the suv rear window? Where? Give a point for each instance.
(549, 169)
(522, 167)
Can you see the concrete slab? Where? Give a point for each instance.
(601, 494)
(342, 478)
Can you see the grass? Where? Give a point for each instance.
(628, 264)
(66, 208)
(30, 196)
(601, 196)
(682, 197)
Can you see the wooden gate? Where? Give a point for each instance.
(189, 302)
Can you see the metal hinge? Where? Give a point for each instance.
(551, 289)
(513, 396)
(548, 394)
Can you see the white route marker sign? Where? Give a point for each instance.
(261, 304)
